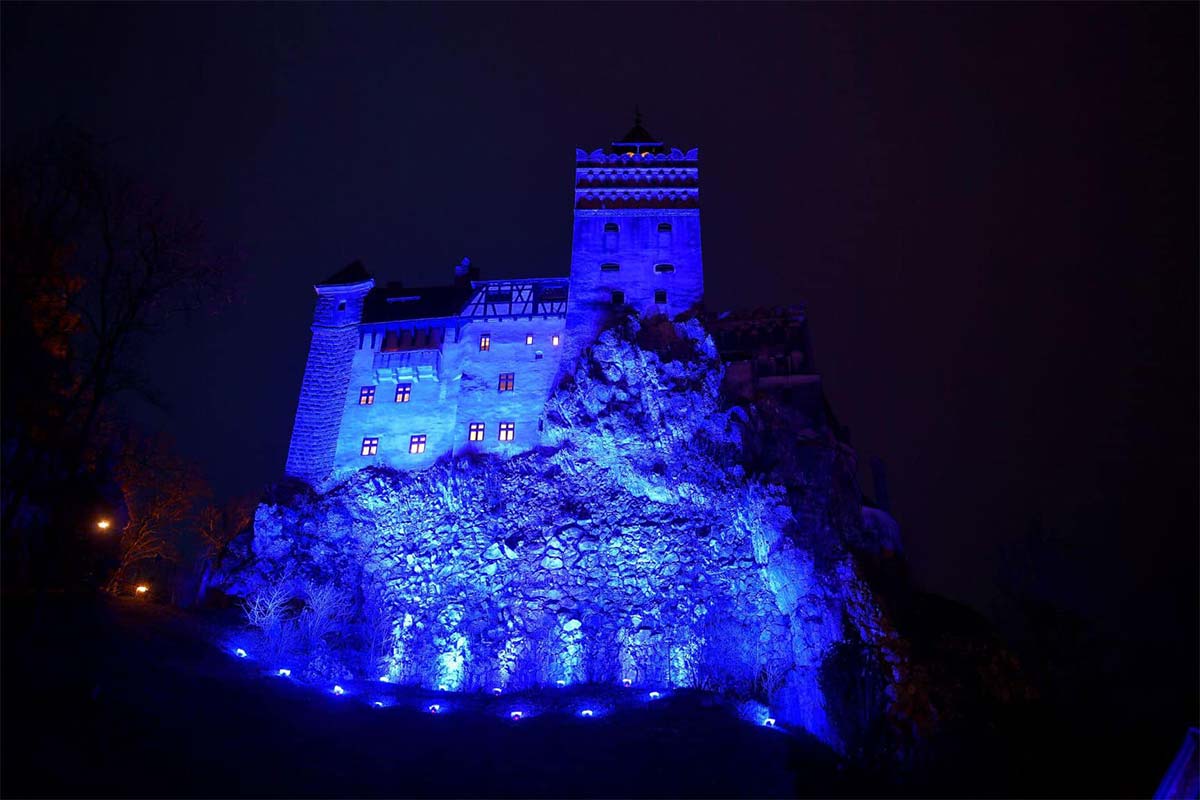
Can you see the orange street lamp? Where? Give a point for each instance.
(142, 588)
(103, 524)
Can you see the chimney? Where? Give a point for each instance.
(464, 273)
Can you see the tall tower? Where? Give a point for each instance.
(335, 334)
(636, 242)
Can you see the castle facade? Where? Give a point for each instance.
(402, 377)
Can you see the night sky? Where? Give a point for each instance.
(991, 212)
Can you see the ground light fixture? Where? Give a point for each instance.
(769, 722)
(285, 673)
(443, 687)
(384, 679)
(515, 716)
(496, 691)
(655, 695)
(626, 682)
(378, 704)
(560, 684)
(240, 653)
(587, 712)
(338, 690)
(435, 709)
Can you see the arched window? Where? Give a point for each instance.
(611, 227)
(664, 227)
(664, 267)
(664, 234)
(611, 231)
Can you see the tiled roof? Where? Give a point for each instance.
(395, 304)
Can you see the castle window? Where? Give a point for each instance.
(366, 396)
(664, 234)
(529, 338)
(416, 443)
(403, 392)
(664, 227)
(611, 227)
(610, 267)
(660, 296)
(506, 381)
(554, 340)
(485, 342)
(475, 432)
(664, 267)
(342, 306)
(508, 431)
(618, 298)
(370, 446)
(610, 235)
(538, 355)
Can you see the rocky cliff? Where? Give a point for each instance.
(659, 536)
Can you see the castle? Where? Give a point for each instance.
(402, 377)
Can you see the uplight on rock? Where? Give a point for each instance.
(435, 709)
(587, 712)
(240, 653)
(338, 690)
(655, 695)
(103, 524)
(496, 691)
(769, 722)
(560, 684)
(626, 682)
(285, 673)
(516, 715)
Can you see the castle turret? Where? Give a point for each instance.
(636, 240)
(335, 333)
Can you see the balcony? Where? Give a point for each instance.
(408, 365)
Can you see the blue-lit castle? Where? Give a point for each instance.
(528, 482)
(402, 377)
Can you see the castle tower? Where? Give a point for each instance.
(335, 335)
(636, 242)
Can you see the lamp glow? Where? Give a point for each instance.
(516, 715)
(435, 709)
(560, 684)
(378, 704)
(240, 653)
(626, 682)
(285, 673)
(655, 695)
(142, 588)
(338, 690)
(443, 687)
(587, 712)
(103, 524)
(496, 691)
(384, 679)
(769, 722)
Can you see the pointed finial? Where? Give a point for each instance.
(637, 116)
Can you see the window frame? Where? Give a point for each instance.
(417, 443)
(509, 428)
(366, 396)
(476, 431)
(405, 390)
(485, 342)
(660, 297)
(507, 382)
(369, 443)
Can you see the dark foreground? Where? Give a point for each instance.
(118, 698)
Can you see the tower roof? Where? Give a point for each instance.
(638, 139)
(354, 272)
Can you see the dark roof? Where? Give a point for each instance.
(638, 135)
(396, 304)
(352, 273)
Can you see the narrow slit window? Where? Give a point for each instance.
(475, 432)
(416, 443)
(506, 381)
(508, 431)
(529, 338)
(618, 298)
(664, 267)
(538, 355)
(664, 227)
(403, 392)
(485, 342)
(610, 267)
(342, 305)
(366, 396)
(660, 296)
(370, 446)
(555, 340)
(611, 227)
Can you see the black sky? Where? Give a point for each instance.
(991, 212)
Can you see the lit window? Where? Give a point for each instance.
(485, 342)
(618, 298)
(416, 443)
(508, 430)
(529, 338)
(610, 267)
(506, 381)
(611, 227)
(370, 446)
(403, 392)
(664, 267)
(475, 432)
(366, 396)
(660, 296)
(664, 227)
(554, 340)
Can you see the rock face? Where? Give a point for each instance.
(641, 542)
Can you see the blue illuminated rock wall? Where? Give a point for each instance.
(641, 542)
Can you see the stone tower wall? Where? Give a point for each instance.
(326, 377)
